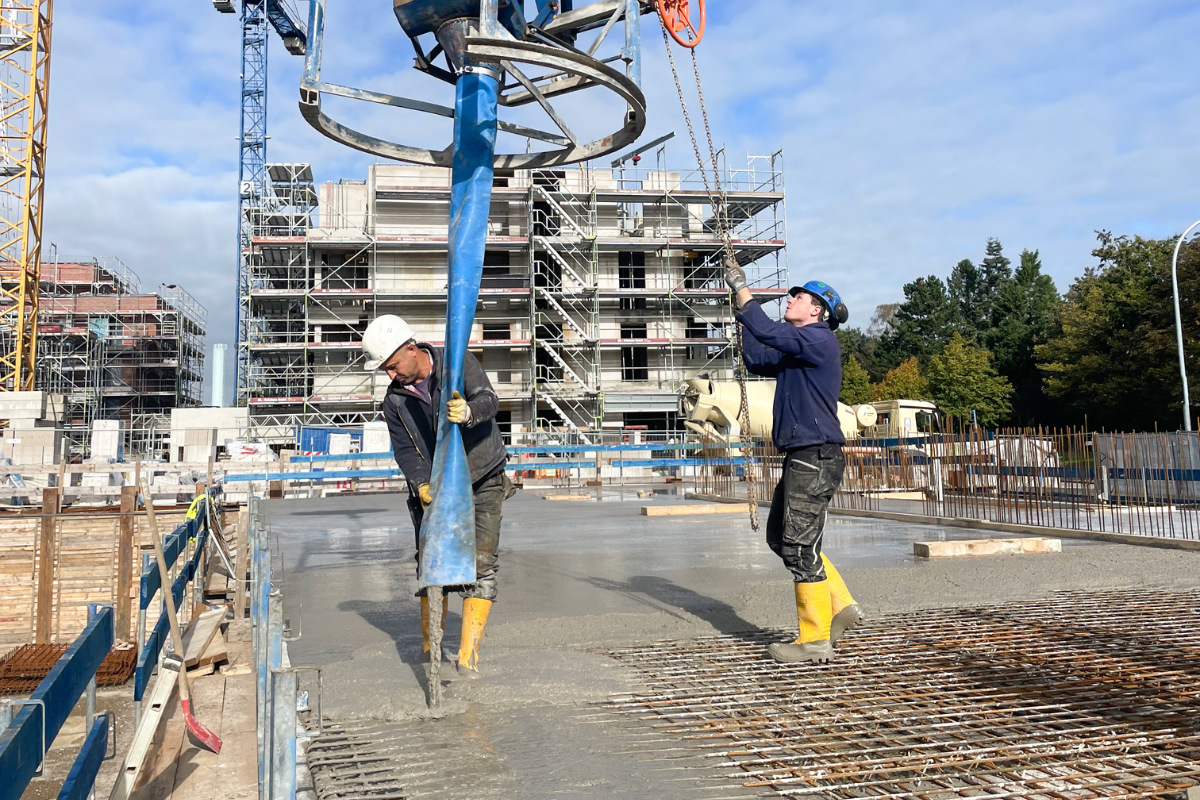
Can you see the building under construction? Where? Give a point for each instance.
(601, 292)
(116, 352)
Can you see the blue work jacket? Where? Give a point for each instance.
(806, 364)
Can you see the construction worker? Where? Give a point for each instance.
(803, 355)
(411, 409)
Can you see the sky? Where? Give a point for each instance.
(910, 133)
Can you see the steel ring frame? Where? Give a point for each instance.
(488, 50)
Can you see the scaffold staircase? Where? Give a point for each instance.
(565, 307)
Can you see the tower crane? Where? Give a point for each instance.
(24, 95)
(255, 16)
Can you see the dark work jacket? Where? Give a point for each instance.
(412, 423)
(806, 364)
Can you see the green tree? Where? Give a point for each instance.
(969, 292)
(962, 380)
(1026, 314)
(856, 383)
(858, 346)
(1115, 358)
(994, 270)
(921, 325)
(904, 382)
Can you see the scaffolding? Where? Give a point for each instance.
(114, 351)
(602, 290)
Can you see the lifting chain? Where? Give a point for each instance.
(720, 207)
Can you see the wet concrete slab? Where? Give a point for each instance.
(579, 577)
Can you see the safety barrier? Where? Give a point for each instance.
(277, 681)
(191, 571)
(25, 740)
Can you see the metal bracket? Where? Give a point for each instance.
(320, 690)
(112, 727)
(287, 623)
(42, 704)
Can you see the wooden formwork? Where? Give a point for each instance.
(53, 565)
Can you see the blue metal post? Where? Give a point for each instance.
(251, 172)
(448, 532)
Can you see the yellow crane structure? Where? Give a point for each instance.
(24, 95)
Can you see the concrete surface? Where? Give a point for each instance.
(578, 577)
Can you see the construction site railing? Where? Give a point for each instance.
(178, 543)
(278, 689)
(1145, 484)
(25, 739)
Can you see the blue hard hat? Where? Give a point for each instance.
(838, 313)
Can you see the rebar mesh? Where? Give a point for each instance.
(1082, 695)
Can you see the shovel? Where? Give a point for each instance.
(200, 735)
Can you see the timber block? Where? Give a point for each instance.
(688, 510)
(986, 547)
(569, 497)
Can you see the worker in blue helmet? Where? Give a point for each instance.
(802, 354)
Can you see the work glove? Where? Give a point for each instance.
(424, 495)
(457, 410)
(735, 276)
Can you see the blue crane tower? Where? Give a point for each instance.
(256, 17)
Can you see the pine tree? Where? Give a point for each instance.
(856, 383)
(962, 380)
(921, 325)
(1026, 314)
(905, 382)
(967, 289)
(994, 270)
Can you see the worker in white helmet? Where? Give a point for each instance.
(411, 409)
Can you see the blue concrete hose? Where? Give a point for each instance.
(448, 530)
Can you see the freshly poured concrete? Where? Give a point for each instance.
(578, 577)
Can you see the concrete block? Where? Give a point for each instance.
(376, 438)
(108, 440)
(986, 547)
(339, 444)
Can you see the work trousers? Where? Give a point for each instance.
(811, 475)
(489, 494)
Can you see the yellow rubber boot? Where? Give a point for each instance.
(425, 619)
(813, 609)
(846, 613)
(474, 620)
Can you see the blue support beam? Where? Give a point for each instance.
(34, 727)
(79, 782)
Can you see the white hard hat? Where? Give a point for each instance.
(384, 336)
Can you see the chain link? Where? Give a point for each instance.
(720, 206)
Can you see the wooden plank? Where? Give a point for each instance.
(568, 497)
(157, 776)
(148, 734)
(197, 776)
(689, 510)
(241, 563)
(238, 763)
(125, 565)
(217, 652)
(46, 562)
(199, 634)
(986, 547)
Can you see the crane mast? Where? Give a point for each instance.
(24, 94)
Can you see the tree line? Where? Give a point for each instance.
(997, 344)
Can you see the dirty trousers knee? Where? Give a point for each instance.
(811, 475)
(490, 493)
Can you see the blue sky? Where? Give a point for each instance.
(911, 132)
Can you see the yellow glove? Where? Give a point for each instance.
(457, 410)
(423, 493)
